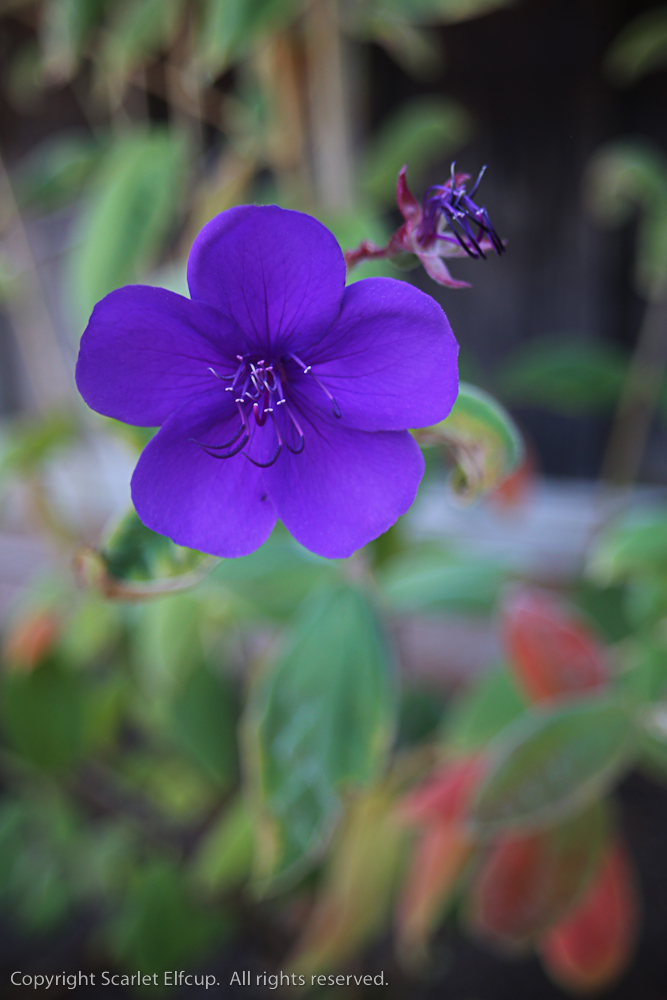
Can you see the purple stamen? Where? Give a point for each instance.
(307, 370)
(257, 383)
(272, 460)
(225, 444)
(451, 206)
(302, 439)
(240, 446)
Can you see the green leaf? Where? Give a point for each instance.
(43, 714)
(158, 926)
(93, 626)
(639, 48)
(128, 214)
(482, 713)
(53, 717)
(224, 856)
(136, 32)
(420, 133)
(421, 712)
(204, 723)
(552, 762)
(605, 609)
(56, 171)
(67, 27)
(625, 178)
(565, 374)
(416, 49)
(635, 546)
(229, 29)
(136, 563)
(432, 581)
(645, 675)
(169, 783)
(103, 706)
(273, 581)
(319, 721)
(40, 851)
(442, 11)
(167, 648)
(646, 600)
(30, 441)
(484, 440)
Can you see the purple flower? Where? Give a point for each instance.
(448, 223)
(280, 393)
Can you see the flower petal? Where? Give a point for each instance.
(147, 351)
(277, 273)
(346, 487)
(390, 359)
(217, 506)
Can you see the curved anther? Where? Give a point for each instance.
(307, 370)
(240, 446)
(272, 460)
(476, 184)
(225, 444)
(296, 451)
(223, 378)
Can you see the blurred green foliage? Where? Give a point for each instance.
(319, 722)
(640, 47)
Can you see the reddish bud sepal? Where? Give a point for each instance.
(529, 881)
(593, 945)
(551, 652)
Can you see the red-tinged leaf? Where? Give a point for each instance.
(31, 639)
(529, 881)
(445, 796)
(593, 945)
(439, 858)
(552, 652)
(514, 491)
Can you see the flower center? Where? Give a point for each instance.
(258, 392)
(450, 214)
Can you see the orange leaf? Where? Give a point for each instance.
(439, 859)
(529, 881)
(507, 897)
(31, 639)
(514, 491)
(552, 653)
(592, 946)
(445, 796)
